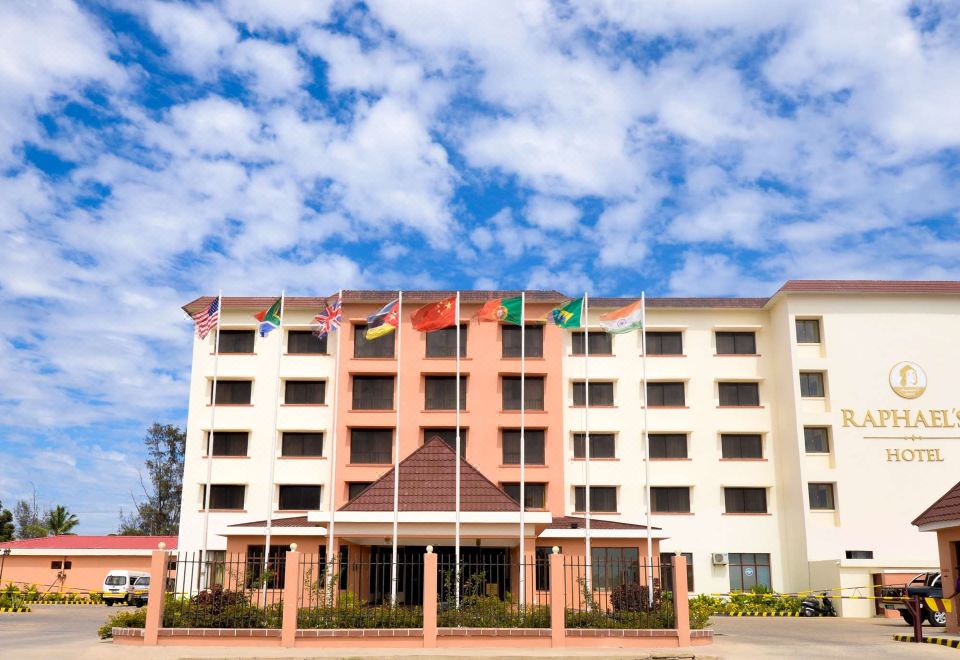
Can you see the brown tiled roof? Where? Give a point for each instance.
(297, 521)
(682, 303)
(872, 286)
(945, 509)
(572, 522)
(427, 484)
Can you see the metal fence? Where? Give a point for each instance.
(232, 591)
(617, 592)
(359, 593)
(492, 592)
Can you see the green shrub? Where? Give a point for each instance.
(478, 611)
(128, 619)
(758, 601)
(349, 615)
(700, 612)
(13, 600)
(660, 618)
(96, 596)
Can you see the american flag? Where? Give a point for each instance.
(208, 318)
(328, 320)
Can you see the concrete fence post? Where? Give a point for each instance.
(558, 600)
(158, 584)
(430, 598)
(291, 597)
(681, 600)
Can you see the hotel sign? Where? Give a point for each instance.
(908, 380)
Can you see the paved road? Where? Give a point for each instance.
(57, 631)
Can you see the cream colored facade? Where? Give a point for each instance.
(865, 329)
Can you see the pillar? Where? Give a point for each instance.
(430, 598)
(681, 600)
(291, 597)
(558, 600)
(158, 583)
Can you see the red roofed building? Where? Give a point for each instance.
(75, 563)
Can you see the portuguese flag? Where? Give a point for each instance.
(505, 310)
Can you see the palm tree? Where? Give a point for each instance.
(60, 520)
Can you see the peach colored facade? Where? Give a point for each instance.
(86, 572)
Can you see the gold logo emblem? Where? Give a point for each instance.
(908, 379)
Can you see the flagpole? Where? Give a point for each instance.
(396, 456)
(273, 449)
(213, 418)
(457, 477)
(646, 443)
(331, 551)
(584, 322)
(523, 442)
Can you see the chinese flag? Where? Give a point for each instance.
(442, 314)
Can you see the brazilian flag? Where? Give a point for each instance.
(568, 315)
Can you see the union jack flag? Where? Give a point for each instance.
(328, 320)
(208, 318)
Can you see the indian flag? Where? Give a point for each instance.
(625, 319)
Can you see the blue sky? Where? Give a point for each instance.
(151, 152)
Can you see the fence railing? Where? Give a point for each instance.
(234, 591)
(492, 593)
(617, 593)
(359, 593)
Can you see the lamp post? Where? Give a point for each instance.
(3, 557)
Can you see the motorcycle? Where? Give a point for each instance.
(812, 606)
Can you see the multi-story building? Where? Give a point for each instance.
(792, 439)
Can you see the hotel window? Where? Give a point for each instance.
(666, 577)
(440, 393)
(533, 392)
(533, 340)
(613, 567)
(63, 565)
(736, 343)
(236, 341)
(811, 384)
(664, 343)
(670, 499)
(229, 443)
(304, 391)
(667, 445)
(816, 439)
(443, 343)
(859, 554)
(601, 393)
(745, 500)
(223, 497)
(299, 498)
(354, 488)
(276, 567)
(741, 445)
(533, 440)
(739, 394)
(449, 436)
(602, 445)
(808, 331)
(304, 342)
(601, 343)
(371, 446)
(298, 443)
(372, 392)
(233, 391)
(534, 494)
(665, 394)
(748, 570)
(381, 347)
(603, 499)
(821, 497)
(543, 568)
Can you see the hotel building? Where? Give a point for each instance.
(792, 439)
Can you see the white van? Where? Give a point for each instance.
(118, 586)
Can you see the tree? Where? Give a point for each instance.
(30, 523)
(60, 520)
(7, 527)
(159, 512)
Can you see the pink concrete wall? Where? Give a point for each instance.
(86, 573)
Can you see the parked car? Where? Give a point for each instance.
(118, 586)
(925, 585)
(140, 591)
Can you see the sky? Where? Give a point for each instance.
(152, 152)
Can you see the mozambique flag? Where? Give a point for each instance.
(505, 310)
(383, 322)
(269, 318)
(436, 316)
(568, 314)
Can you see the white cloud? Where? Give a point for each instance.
(552, 214)
(277, 70)
(196, 36)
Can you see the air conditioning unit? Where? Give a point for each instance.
(720, 558)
